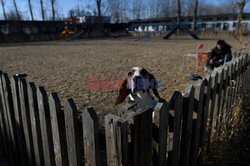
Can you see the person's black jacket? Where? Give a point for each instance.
(217, 54)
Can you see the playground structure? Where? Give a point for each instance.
(180, 27)
(148, 36)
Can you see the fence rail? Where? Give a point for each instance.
(36, 130)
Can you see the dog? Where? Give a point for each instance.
(137, 86)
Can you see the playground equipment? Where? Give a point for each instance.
(179, 26)
(198, 56)
(147, 37)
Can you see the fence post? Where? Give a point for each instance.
(35, 125)
(72, 135)
(44, 115)
(18, 121)
(58, 130)
(188, 104)
(140, 123)
(90, 138)
(116, 131)
(199, 107)
(23, 95)
(160, 133)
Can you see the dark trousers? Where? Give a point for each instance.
(214, 64)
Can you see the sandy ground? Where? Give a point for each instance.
(64, 67)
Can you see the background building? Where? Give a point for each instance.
(222, 22)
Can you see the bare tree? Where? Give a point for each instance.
(165, 11)
(195, 14)
(99, 5)
(53, 9)
(114, 7)
(137, 9)
(179, 13)
(42, 10)
(241, 5)
(31, 12)
(3, 7)
(17, 12)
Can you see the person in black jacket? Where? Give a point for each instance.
(219, 54)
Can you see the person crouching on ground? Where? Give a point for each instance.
(218, 55)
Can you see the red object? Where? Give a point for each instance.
(72, 20)
(197, 56)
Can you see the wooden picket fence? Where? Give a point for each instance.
(36, 130)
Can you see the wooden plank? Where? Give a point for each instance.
(140, 123)
(223, 100)
(58, 130)
(174, 156)
(199, 107)
(116, 132)
(7, 132)
(45, 124)
(188, 106)
(2, 123)
(90, 137)
(203, 137)
(35, 125)
(160, 133)
(11, 117)
(72, 135)
(24, 103)
(219, 99)
(18, 121)
(211, 111)
(235, 78)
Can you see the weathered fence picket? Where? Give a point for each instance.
(45, 124)
(116, 131)
(199, 107)
(18, 121)
(58, 130)
(188, 102)
(36, 130)
(8, 130)
(25, 113)
(35, 125)
(160, 133)
(91, 138)
(72, 135)
(140, 126)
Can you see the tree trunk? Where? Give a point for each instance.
(17, 13)
(241, 7)
(4, 13)
(53, 9)
(195, 14)
(99, 3)
(42, 10)
(179, 13)
(31, 12)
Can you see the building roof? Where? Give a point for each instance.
(186, 17)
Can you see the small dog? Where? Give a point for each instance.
(137, 85)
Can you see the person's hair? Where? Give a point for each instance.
(223, 43)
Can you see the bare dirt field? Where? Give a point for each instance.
(64, 67)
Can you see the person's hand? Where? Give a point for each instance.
(161, 100)
(211, 61)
